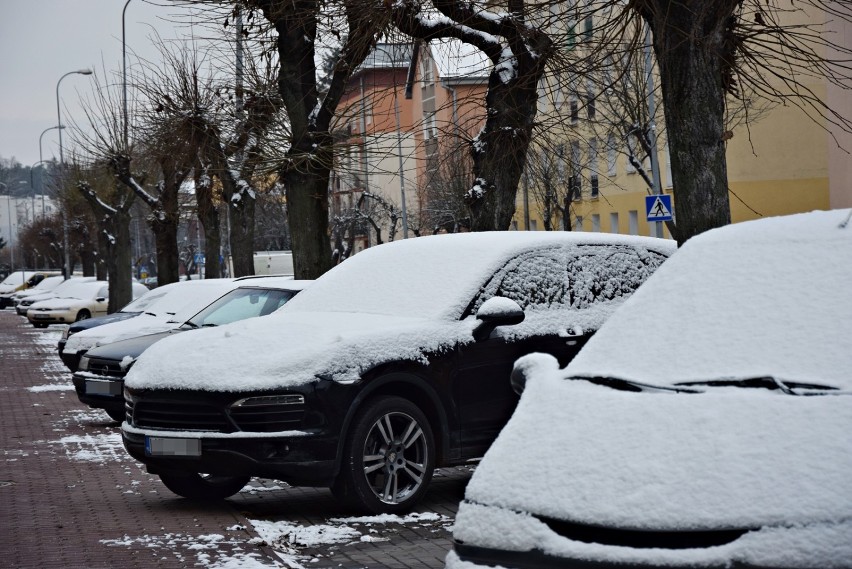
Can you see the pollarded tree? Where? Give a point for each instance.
(519, 47)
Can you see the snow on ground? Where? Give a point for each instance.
(214, 551)
(101, 447)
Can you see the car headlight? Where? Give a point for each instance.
(270, 400)
(66, 333)
(84, 364)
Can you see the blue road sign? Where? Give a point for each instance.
(658, 207)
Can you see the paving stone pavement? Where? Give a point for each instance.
(71, 497)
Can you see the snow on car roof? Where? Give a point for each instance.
(435, 276)
(767, 297)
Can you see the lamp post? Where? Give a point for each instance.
(62, 163)
(124, 72)
(11, 242)
(41, 160)
(398, 146)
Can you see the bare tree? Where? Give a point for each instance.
(518, 48)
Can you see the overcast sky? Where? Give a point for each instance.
(41, 40)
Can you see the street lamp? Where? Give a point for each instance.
(124, 71)
(41, 160)
(62, 163)
(398, 146)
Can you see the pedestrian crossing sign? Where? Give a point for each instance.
(658, 207)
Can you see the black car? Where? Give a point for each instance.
(392, 363)
(99, 379)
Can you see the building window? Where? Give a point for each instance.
(613, 222)
(595, 186)
(593, 166)
(596, 223)
(578, 223)
(514, 225)
(560, 163)
(633, 220)
(575, 112)
(590, 99)
(533, 225)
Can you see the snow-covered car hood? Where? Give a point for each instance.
(291, 348)
(59, 302)
(724, 458)
(141, 325)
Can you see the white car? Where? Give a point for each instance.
(45, 286)
(23, 303)
(707, 424)
(77, 302)
(161, 309)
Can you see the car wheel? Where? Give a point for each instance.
(115, 414)
(388, 457)
(83, 315)
(204, 486)
(39, 324)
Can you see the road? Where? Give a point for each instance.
(71, 497)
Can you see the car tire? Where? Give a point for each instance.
(204, 486)
(388, 457)
(39, 324)
(115, 414)
(83, 315)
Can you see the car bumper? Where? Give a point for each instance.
(300, 459)
(70, 359)
(99, 393)
(50, 317)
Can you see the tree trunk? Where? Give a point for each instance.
(690, 47)
(242, 235)
(307, 214)
(165, 243)
(208, 215)
(501, 147)
(121, 275)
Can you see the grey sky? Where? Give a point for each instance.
(41, 40)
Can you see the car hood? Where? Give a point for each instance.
(291, 348)
(119, 330)
(724, 458)
(131, 347)
(60, 302)
(100, 321)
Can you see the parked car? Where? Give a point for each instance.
(18, 281)
(160, 309)
(99, 380)
(44, 286)
(392, 363)
(23, 303)
(707, 424)
(78, 302)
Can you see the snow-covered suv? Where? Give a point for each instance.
(392, 363)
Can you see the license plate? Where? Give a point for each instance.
(159, 446)
(94, 387)
(38, 316)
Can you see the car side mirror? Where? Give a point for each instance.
(100, 299)
(494, 312)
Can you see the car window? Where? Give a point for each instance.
(103, 292)
(571, 277)
(240, 304)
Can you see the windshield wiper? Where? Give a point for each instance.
(191, 324)
(766, 382)
(630, 385)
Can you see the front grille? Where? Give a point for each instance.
(111, 368)
(195, 414)
(182, 416)
(268, 418)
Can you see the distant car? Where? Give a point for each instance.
(160, 309)
(19, 281)
(78, 302)
(44, 286)
(392, 363)
(23, 302)
(707, 424)
(99, 380)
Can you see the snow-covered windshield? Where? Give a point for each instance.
(17, 278)
(240, 304)
(432, 277)
(146, 300)
(769, 298)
